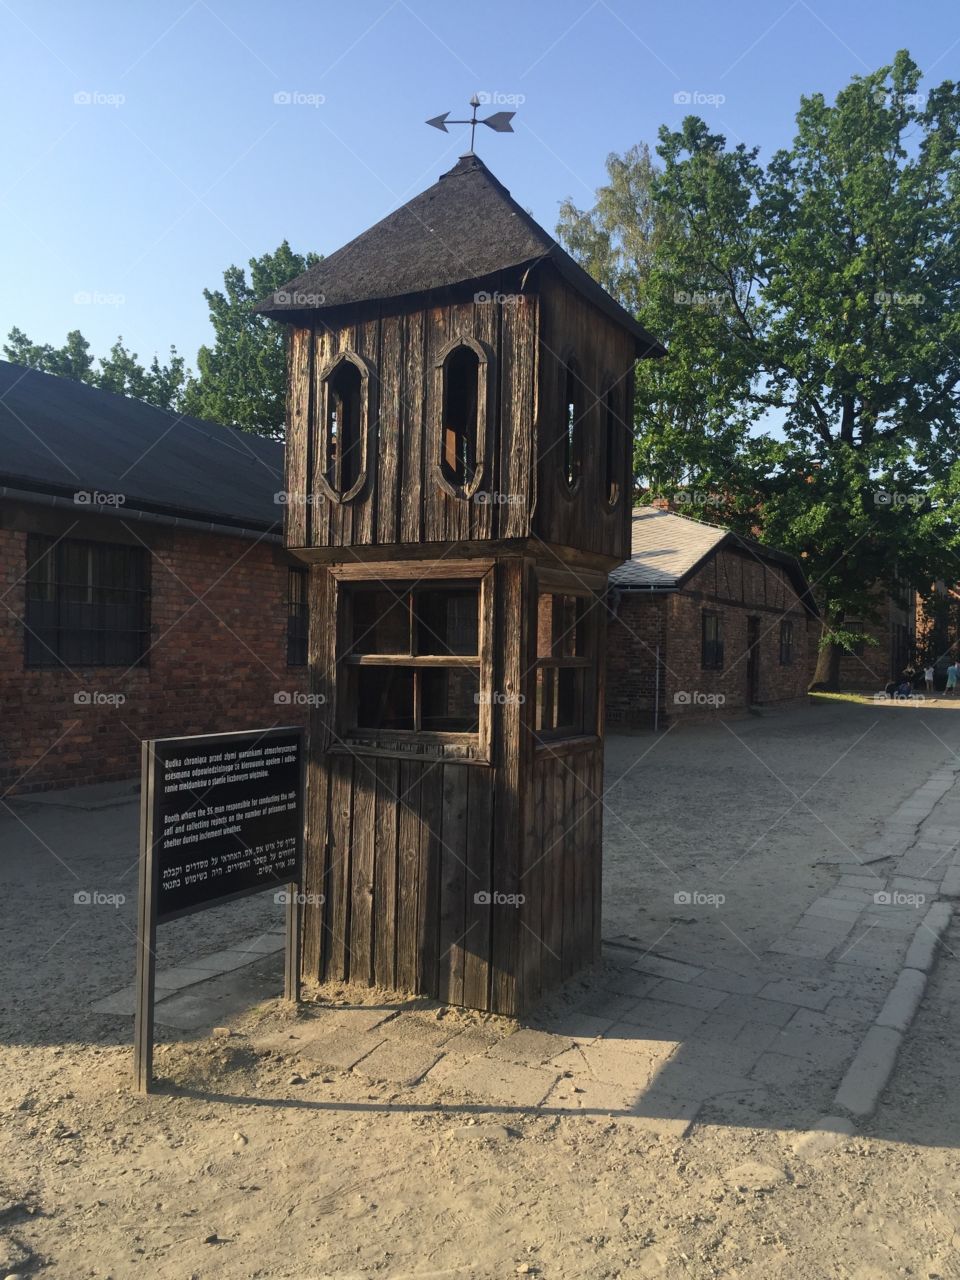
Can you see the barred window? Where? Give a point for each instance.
(711, 644)
(297, 618)
(87, 605)
(786, 643)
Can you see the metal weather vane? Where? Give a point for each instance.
(499, 122)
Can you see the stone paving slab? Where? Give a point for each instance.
(530, 1046)
(397, 1063)
(504, 1082)
(339, 1049)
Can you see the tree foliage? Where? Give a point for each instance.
(809, 310)
(119, 371)
(241, 379)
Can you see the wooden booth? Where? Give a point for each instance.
(459, 482)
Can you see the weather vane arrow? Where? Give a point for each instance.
(499, 122)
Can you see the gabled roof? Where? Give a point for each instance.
(60, 437)
(667, 549)
(465, 227)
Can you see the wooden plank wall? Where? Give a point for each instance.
(399, 849)
(562, 880)
(401, 501)
(603, 352)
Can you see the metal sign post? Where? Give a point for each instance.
(221, 817)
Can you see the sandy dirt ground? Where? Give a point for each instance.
(243, 1169)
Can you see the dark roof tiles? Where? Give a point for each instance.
(465, 227)
(58, 436)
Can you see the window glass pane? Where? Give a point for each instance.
(561, 626)
(568, 681)
(384, 697)
(297, 618)
(613, 452)
(572, 425)
(460, 384)
(450, 700)
(559, 699)
(344, 426)
(448, 621)
(41, 569)
(381, 621)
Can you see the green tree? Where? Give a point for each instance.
(162, 385)
(809, 309)
(241, 379)
(119, 371)
(72, 360)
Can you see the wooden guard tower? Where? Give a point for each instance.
(459, 483)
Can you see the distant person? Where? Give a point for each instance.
(952, 674)
(928, 678)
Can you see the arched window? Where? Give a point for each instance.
(464, 373)
(344, 427)
(461, 385)
(614, 447)
(572, 424)
(342, 463)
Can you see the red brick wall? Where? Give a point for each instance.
(635, 628)
(215, 665)
(894, 630)
(736, 587)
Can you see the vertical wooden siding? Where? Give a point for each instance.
(401, 501)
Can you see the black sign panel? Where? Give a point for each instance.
(226, 817)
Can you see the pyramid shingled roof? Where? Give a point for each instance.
(467, 226)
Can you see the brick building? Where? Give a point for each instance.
(893, 627)
(144, 585)
(938, 628)
(705, 621)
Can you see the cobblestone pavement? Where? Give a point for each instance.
(649, 1037)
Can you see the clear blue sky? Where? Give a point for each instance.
(183, 163)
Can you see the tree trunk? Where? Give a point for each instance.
(827, 674)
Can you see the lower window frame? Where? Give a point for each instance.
(402, 576)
